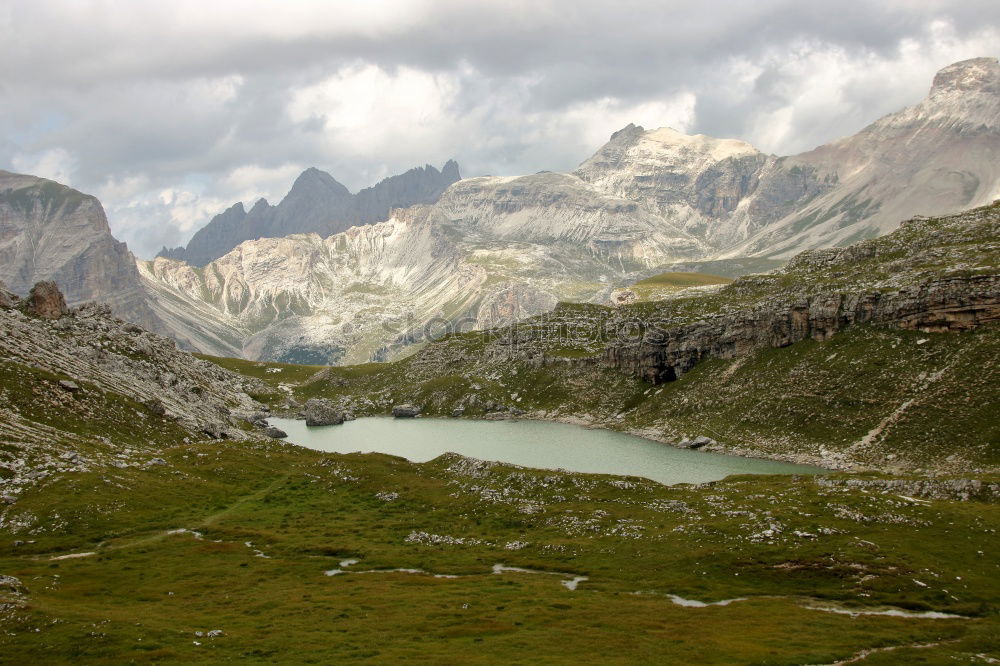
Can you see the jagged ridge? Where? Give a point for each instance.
(318, 204)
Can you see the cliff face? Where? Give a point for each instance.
(316, 204)
(932, 275)
(948, 305)
(50, 232)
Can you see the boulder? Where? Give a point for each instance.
(696, 443)
(215, 430)
(275, 433)
(155, 406)
(46, 301)
(405, 411)
(321, 412)
(258, 419)
(67, 385)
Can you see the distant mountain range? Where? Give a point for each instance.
(486, 251)
(316, 204)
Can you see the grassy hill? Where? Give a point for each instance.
(665, 284)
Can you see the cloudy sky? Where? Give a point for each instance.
(171, 111)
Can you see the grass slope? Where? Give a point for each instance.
(272, 519)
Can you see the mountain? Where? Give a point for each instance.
(491, 251)
(51, 232)
(882, 355)
(316, 204)
(938, 156)
(495, 249)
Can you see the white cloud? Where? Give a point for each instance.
(55, 164)
(226, 101)
(251, 182)
(822, 91)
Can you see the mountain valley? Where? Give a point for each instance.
(838, 310)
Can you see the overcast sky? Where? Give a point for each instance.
(171, 111)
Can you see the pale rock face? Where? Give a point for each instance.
(310, 299)
(562, 208)
(705, 186)
(50, 232)
(939, 156)
(492, 251)
(936, 157)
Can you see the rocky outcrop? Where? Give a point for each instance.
(46, 301)
(316, 204)
(665, 353)
(320, 412)
(405, 411)
(50, 232)
(88, 352)
(7, 299)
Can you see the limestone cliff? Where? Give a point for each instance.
(51, 232)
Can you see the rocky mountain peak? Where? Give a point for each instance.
(973, 75)
(313, 182)
(316, 203)
(630, 131)
(450, 171)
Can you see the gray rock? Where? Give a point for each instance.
(215, 431)
(258, 419)
(11, 584)
(158, 462)
(405, 411)
(66, 384)
(320, 412)
(275, 433)
(62, 235)
(7, 299)
(696, 443)
(155, 406)
(458, 412)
